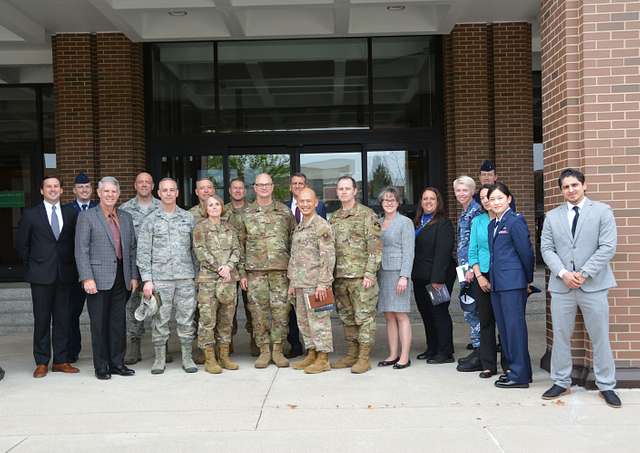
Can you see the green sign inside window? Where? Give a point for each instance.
(11, 199)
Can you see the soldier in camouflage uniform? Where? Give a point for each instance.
(139, 207)
(358, 257)
(204, 189)
(265, 234)
(311, 272)
(216, 246)
(232, 212)
(166, 266)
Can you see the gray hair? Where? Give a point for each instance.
(393, 191)
(465, 181)
(108, 180)
(167, 178)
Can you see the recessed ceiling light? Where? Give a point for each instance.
(177, 12)
(396, 8)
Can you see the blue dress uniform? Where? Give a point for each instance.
(512, 264)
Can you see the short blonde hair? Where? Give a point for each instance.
(465, 181)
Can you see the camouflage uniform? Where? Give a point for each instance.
(358, 255)
(199, 212)
(232, 216)
(214, 246)
(135, 328)
(164, 257)
(311, 265)
(265, 233)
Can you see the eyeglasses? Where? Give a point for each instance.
(389, 200)
(262, 186)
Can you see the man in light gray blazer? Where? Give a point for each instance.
(105, 252)
(578, 242)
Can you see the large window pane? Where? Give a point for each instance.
(183, 88)
(248, 166)
(324, 169)
(301, 84)
(403, 81)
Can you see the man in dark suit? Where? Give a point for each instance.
(82, 190)
(106, 259)
(297, 183)
(45, 242)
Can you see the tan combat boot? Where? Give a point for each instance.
(362, 365)
(350, 336)
(210, 363)
(264, 358)
(223, 356)
(198, 355)
(308, 360)
(278, 357)
(321, 364)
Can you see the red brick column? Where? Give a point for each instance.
(488, 107)
(75, 107)
(591, 120)
(98, 84)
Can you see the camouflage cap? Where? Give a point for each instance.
(147, 309)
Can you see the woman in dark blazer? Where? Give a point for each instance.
(511, 270)
(434, 265)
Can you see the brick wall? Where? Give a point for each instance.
(591, 120)
(488, 107)
(98, 82)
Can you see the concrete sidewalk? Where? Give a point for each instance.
(423, 408)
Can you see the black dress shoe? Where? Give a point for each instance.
(401, 366)
(555, 392)
(471, 356)
(485, 374)
(103, 375)
(388, 362)
(122, 370)
(510, 385)
(470, 347)
(295, 351)
(426, 355)
(611, 399)
(470, 366)
(439, 359)
(503, 377)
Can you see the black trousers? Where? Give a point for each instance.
(488, 349)
(108, 324)
(50, 302)
(293, 337)
(76, 305)
(438, 327)
(247, 314)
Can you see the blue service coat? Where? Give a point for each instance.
(512, 261)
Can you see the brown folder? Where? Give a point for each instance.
(319, 305)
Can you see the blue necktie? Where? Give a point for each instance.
(84, 207)
(55, 224)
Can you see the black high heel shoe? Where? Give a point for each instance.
(487, 374)
(388, 362)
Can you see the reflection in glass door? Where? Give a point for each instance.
(248, 166)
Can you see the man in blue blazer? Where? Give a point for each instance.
(297, 183)
(82, 190)
(511, 271)
(578, 242)
(45, 242)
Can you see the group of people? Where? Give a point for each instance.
(149, 258)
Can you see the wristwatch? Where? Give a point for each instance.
(584, 274)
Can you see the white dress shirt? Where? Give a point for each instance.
(48, 207)
(570, 215)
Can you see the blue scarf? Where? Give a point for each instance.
(426, 218)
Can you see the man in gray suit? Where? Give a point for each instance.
(105, 251)
(578, 242)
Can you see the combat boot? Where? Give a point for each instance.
(187, 362)
(198, 355)
(278, 357)
(168, 354)
(362, 365)
(264, 358)
(160, 361)
(224, 359)
(255, 350)
(210, 363)
(308, 360)
(350, 358)
(321, 364)
(133, 355)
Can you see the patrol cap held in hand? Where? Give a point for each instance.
(147, 308)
